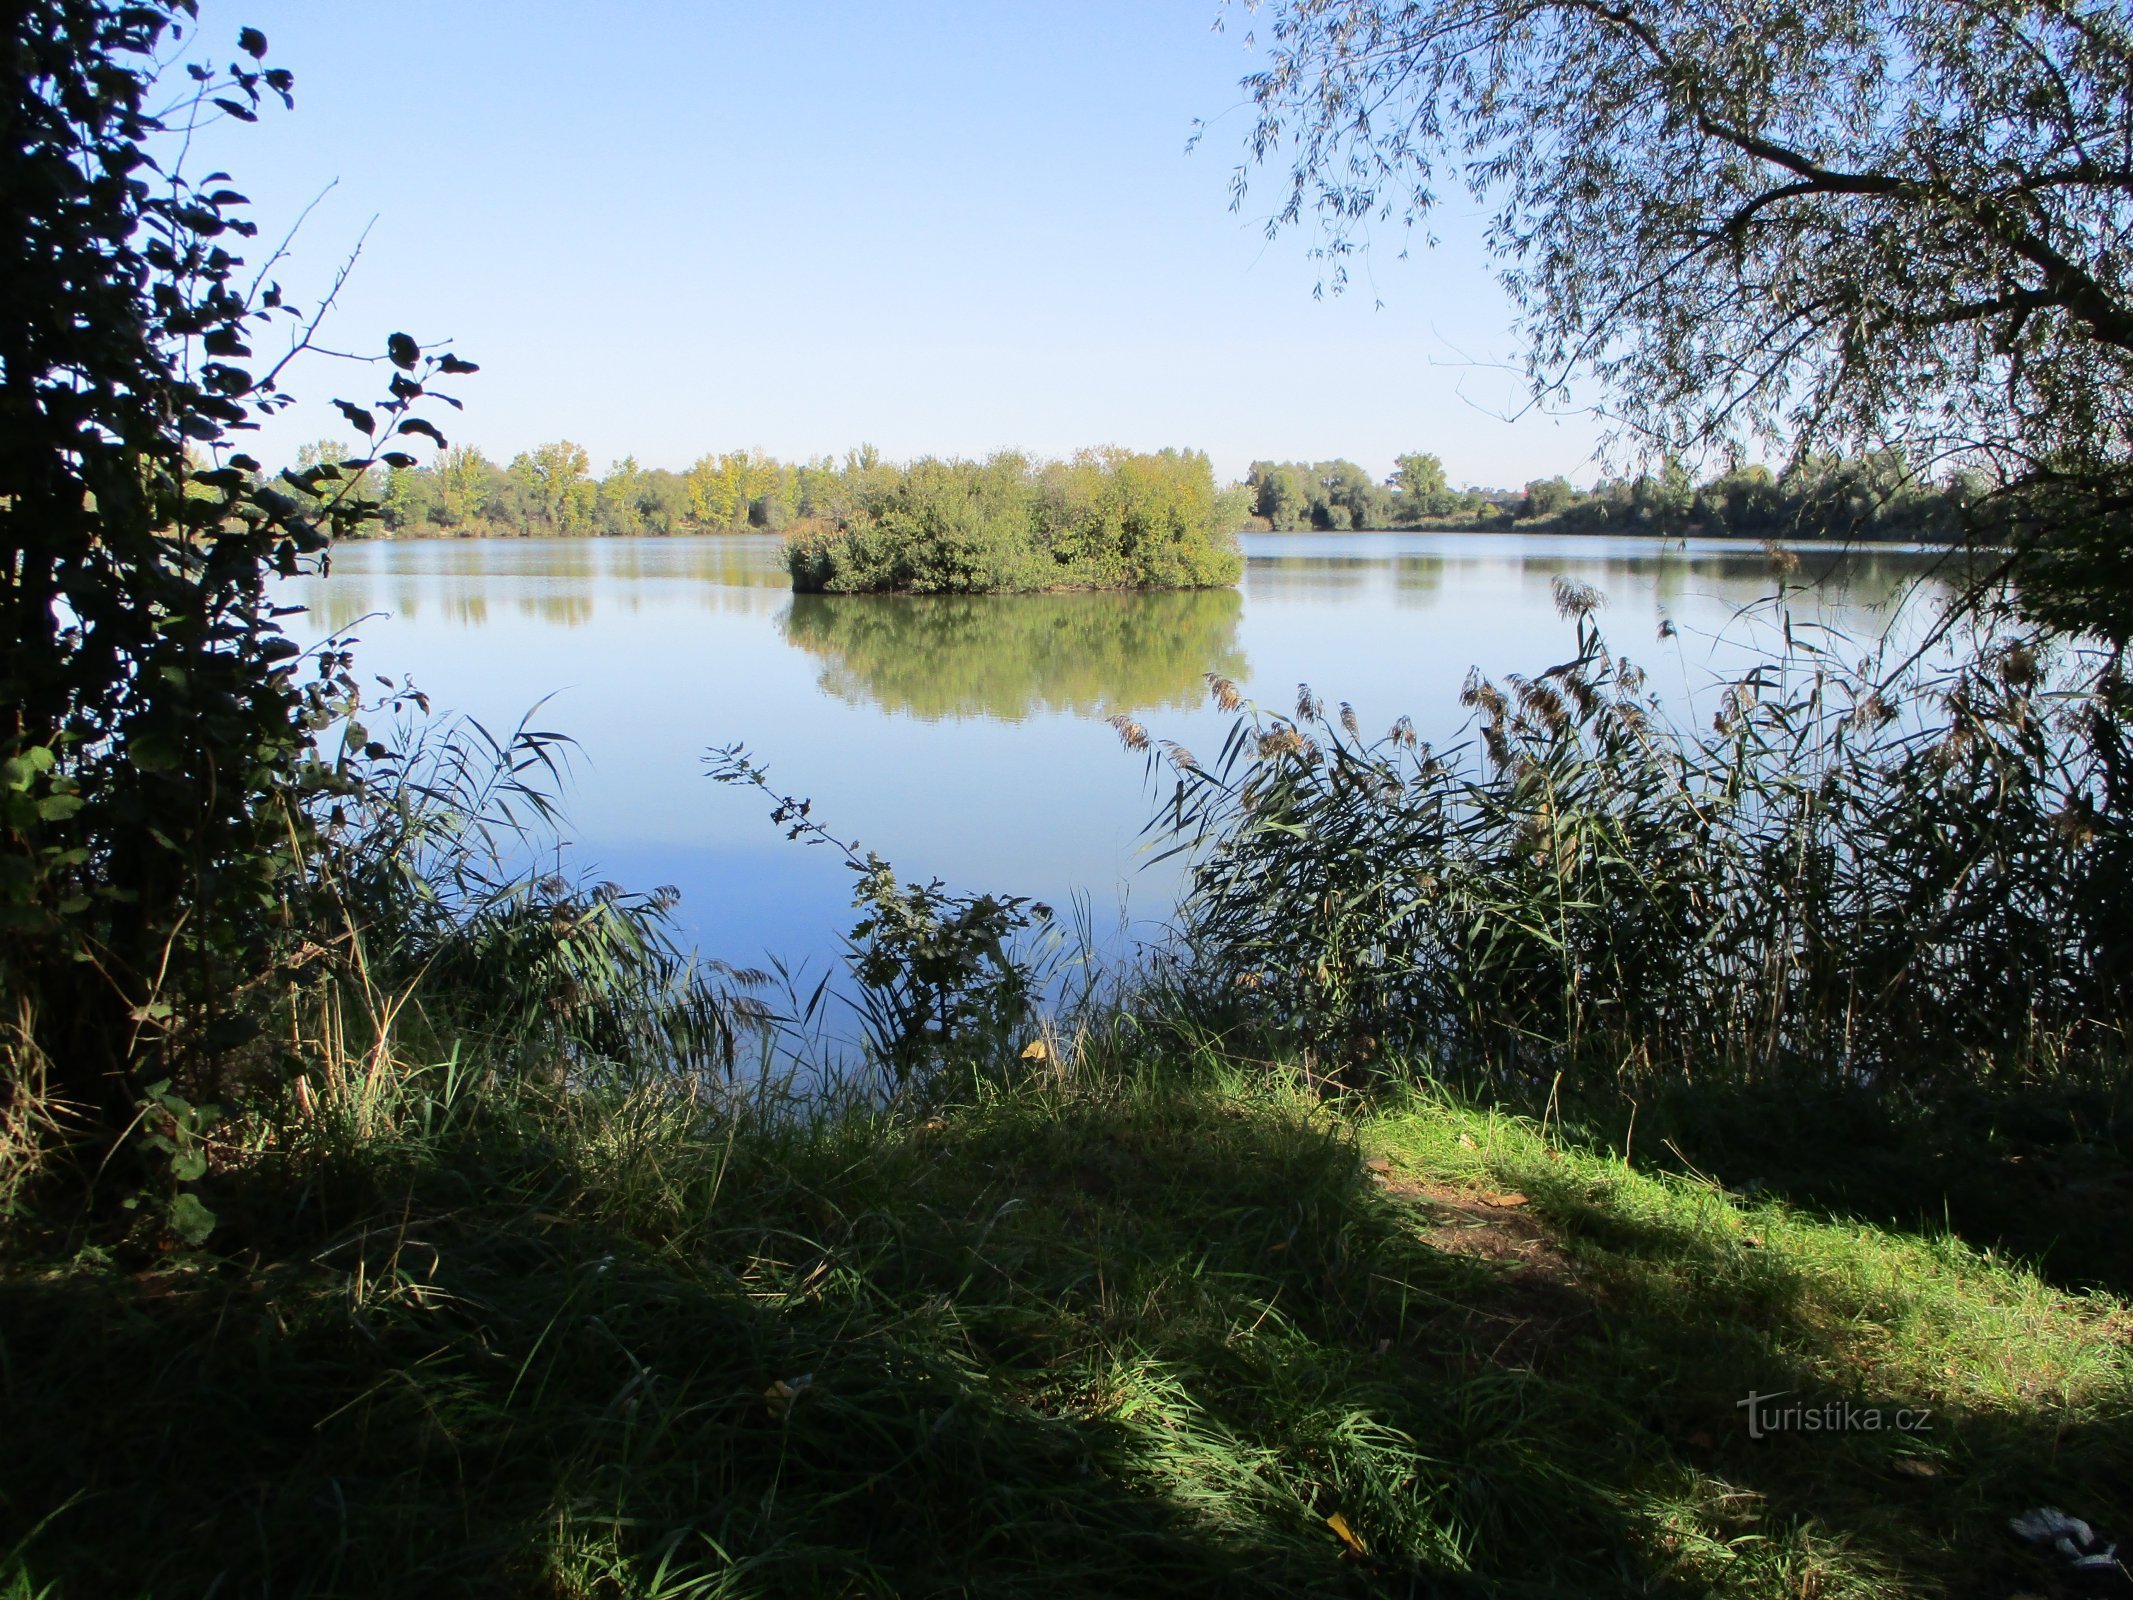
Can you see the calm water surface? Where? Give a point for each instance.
(965, 738)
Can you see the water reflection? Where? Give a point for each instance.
(1311, 577)
(955, 734)
(1710, 579)
(1417, 580)
(562, 582)
(1867, 578)
(1013, 656)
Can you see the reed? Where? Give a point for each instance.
(442, 878)
(1899, 877)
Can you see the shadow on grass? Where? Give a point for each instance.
(2044, 1172)
(1918, 1477)
(1138, 1346)
(547, 1418)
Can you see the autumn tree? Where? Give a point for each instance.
(1419, 486)
(555, 481)
(621, 498)
(465, 481)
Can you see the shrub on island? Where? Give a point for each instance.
(1107, 519)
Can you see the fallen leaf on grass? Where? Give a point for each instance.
(1915, 1467)
(1378, 1164)
(781, 1394)
(1509, 1201)
(1339, 1524)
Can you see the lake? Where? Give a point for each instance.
(966, 738)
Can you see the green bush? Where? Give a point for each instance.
(1108, 519)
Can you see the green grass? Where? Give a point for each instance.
(1130, 1334)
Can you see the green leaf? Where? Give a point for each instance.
(402, 350)
(252, 42)
(190, 1220)
(21, 771)
(58, 807)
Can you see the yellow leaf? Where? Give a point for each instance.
(1339, 1524)
(1037, 1050)
(780, 1395)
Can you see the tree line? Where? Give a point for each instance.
(550, 491)
(1875, 496)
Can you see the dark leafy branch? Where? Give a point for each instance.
(162, 778)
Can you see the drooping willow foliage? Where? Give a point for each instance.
(1844, 877)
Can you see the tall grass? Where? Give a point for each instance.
(31, 1121)
(1857, 874)
(451, 924)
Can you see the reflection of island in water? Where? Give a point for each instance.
(561, 582)
(1013, 656)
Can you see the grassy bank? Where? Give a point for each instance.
(1149, 1325)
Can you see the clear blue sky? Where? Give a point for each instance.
(669, 228)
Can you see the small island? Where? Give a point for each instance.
(1107, 519)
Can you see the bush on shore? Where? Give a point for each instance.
(1108, 519)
